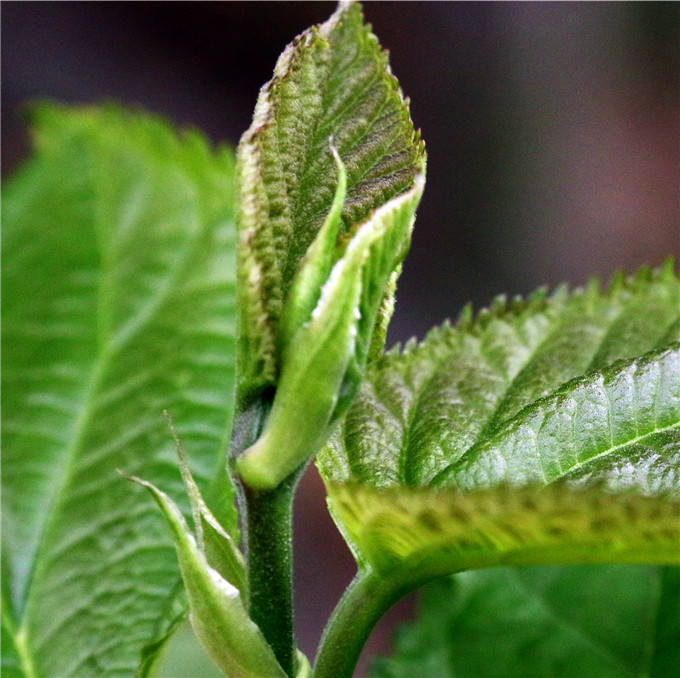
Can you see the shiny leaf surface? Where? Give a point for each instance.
(444, 455)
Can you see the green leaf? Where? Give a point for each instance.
(417, 533)
(439, 464)
(11, 658)
(618, 427)
(218, 547)
(118, 284)
(183, 656)
(331, 88)
(217, 610)
(543, 621)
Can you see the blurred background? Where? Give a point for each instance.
(553, 135)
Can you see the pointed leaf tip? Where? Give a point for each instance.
(219, 547)
(329, 188)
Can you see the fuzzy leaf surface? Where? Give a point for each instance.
(119, 296)
(606, 621)
(331, 85)
(442, 460)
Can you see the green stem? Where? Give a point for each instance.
(364, 602)
(268, 536)
(269, 518)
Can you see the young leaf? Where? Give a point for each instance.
(442, 458)
(332, 88)
(570, 622)
(322, 364)
(216, 545)
(217, 609)
(118, 289)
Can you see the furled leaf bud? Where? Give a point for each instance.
(330, 174)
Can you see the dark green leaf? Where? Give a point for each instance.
(444, 454)
(544, 621)
(119, 293)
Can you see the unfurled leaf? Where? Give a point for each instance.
(216, 608)
(441, 462)
(618, 427)
(604, 621)
(332, 88)
(118, 282)
(425, 533)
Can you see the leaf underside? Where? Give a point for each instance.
(332, 84)
(531, 433)
(119, 288)
(544, 621)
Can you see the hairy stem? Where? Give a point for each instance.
(268, 536)
(364, 602)
(269, 517)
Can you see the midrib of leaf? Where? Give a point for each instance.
(407, 457)
(61, 481)
(612, 449)
(20, 597)
(495, 423)
(471, 457)
(110, 344)
(106, 356)
(616, 302)
(19, 640)
(593, 363)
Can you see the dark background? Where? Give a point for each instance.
(553, 135)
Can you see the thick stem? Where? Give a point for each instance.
(364, 602)
(269, 517)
